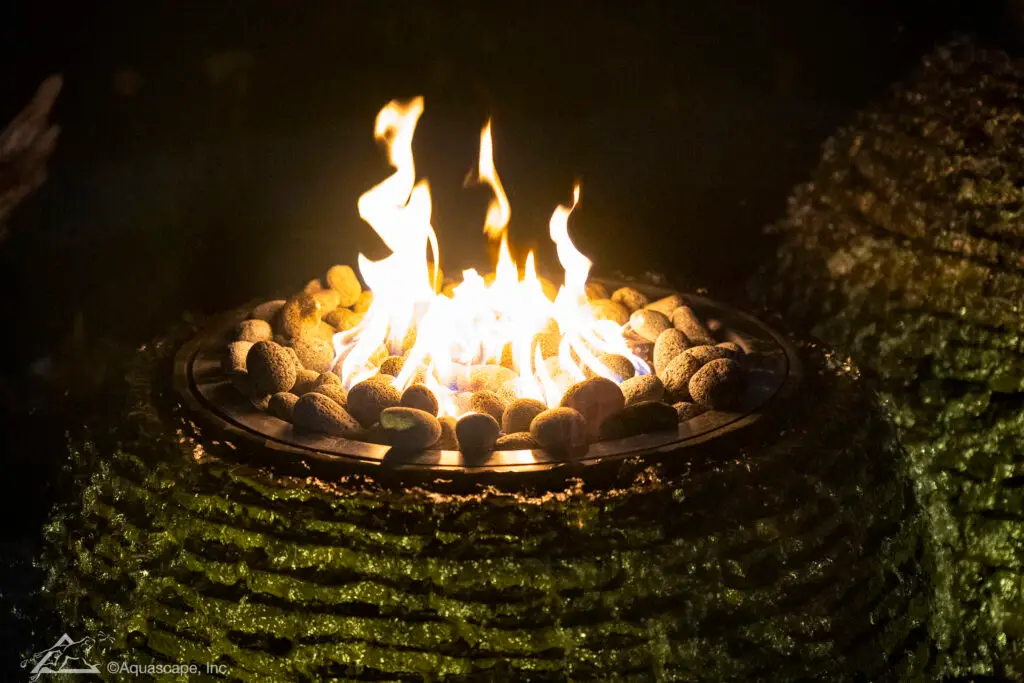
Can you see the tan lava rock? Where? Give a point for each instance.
(520, 413)
(335, 392)
(548, 339)
(670, 344)
(362, 304)
(419, 396)
(299, 316)
(606, 309)
(305, 381)
(270, 368)
(316, 413)
(595, 399)
(342, 319)
(640, 418)
(508, 391)
(560, 430)
(731, 350)
(619, 365)
(718, 384)
(326, 378)
(487, 402)
(595, 291)
(313, 286)
(516, 441)
(254, 331)
(476, 432)
(392, 365)
(329, 299)
(448, 441)
(234, 357)
(642, 388)
(282, 405)
(267, 310)
(667, 304)
(323, 331)
(314, 353)
(409, 428)
(631, 298)
(705, 353)
(368, 398)
(648, 324)
(687, 322)
(343, 280)
(677, 374)
(685, 410)
(489, 377)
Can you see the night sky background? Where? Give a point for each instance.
(212, 153)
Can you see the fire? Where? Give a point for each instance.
(503, 320)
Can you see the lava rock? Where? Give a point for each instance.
(299, 316)
(670, 344)
(343, 319)
(548, 340)
(520, 413)
(271, 369)
(326, 378)
(667, 304)
(489, 377)
(642, 388)
(620, 366)
(508, 391)
(392, 365)
(648, 324)
(234, 357)
(317, 413)
(687, 322)
(731, 350)
(595, 399)
(362, 304)
(282, 405)
(631, 298)
(314, 353)
(410, 428)
(267, 310)
(343, 280)
(595, 291)
(488, 402)
(515, 441)
(313, 286)
(476, 432)
(448, 441)
(705, 354)
(560, 430)
(329, 299)
(368, 398)
(305, 381)
(640, 418)
(685, 410)
(677, 374)
(419, 396)
(254, 331)
(462, 401)
(323, 331)
(335, 392)
(606, 309)
(718, 384)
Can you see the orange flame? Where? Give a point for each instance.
(443, 338)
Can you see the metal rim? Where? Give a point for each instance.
(207, 392)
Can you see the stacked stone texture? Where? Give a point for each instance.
(906, 249)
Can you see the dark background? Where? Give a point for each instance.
(213, 152)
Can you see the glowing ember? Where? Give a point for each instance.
(504, 320)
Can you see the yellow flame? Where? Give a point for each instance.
(499, 211)
(486, 321)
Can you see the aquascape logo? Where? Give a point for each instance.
(66, 656)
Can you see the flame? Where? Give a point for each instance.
(485, 321)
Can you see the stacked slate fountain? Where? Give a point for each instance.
(906, 249)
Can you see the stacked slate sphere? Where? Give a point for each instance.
(906, 249)
(788, 550)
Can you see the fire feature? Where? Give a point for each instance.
(499, 361)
